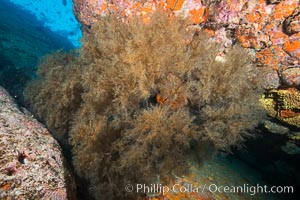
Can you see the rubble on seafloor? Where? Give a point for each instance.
(32, 165)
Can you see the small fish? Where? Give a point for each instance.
(160, 99)
(64, 2)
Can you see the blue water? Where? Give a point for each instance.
(25, 38)
(56, 15)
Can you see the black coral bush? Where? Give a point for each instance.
(140, 100)
(56, 94)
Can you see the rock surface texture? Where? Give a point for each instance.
(31, 162)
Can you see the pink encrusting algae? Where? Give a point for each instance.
(89, 11)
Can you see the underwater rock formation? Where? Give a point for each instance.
(31, 162)
(89, 12)
(271, 30)
(283, 104)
